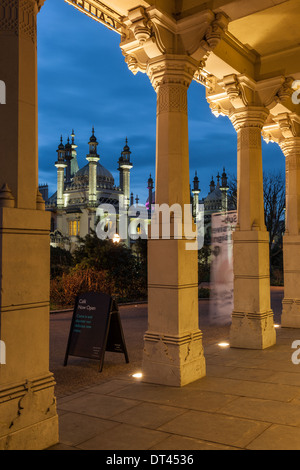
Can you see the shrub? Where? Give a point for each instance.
(63, 290)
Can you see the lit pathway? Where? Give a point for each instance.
(249, 400)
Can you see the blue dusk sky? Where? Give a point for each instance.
(85, 82)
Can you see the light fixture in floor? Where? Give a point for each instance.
(224, 345)
(138, 375)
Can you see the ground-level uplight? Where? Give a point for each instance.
(277, 326)
(224, 345)
(138, 375)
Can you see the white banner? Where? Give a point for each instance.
(221, 303)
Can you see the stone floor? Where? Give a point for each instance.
(249, 400)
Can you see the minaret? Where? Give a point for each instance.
(74, 163)
(60, 165)
(125, 166)
(224, 188)
(68, 158)
(93, 159)
(196, 191)
(212, 185)
(150, 199)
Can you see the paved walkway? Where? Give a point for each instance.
(249, 400)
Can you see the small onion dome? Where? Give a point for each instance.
(93, 138)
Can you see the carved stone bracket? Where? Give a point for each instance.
(151, 35)
(215, 32)
(237, 92)
(281, 127)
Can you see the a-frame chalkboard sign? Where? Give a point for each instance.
(96, 327)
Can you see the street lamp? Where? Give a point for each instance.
(116, 238)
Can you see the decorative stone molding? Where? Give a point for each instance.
(9, 16)
(6, 197)
(40, 203)
(172, 98)
(251, 118)
(27, 17)
(235, 92)
(151, 35)
(281, 127)
(215, 32)
(141, 25)
(19, 17)
(286, 91)
(170, 70)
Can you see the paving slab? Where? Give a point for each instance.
(250, 399)
(99, 406)
(247, 388)
(264, 410)
(77, 428)
(180, 443)
(148, 415)
(277, 437)
(125, 437)
(216, 428)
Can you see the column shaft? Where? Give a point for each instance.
(173, 353)
(291, 242)
(252, 318)
(93, 183)
(27, 404)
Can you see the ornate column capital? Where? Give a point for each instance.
(249, 118)
(170, 69)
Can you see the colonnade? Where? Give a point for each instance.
(171, 54)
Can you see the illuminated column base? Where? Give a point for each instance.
(173, 360)
(252, 319)
(291, 303)
(173, 350)
(28, 418)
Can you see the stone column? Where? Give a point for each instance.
(93, 180)
(291, 245)
(173, 352)
(27, 404)
(252, 318)
(60, 165)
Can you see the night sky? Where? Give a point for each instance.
(84, 82)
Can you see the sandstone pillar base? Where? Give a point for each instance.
(173, 360)
(252, 331)
(290, 313)
(28, 415)
(291, 303)
(252, 319)
(28, 418)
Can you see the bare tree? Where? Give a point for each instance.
(274, 202)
